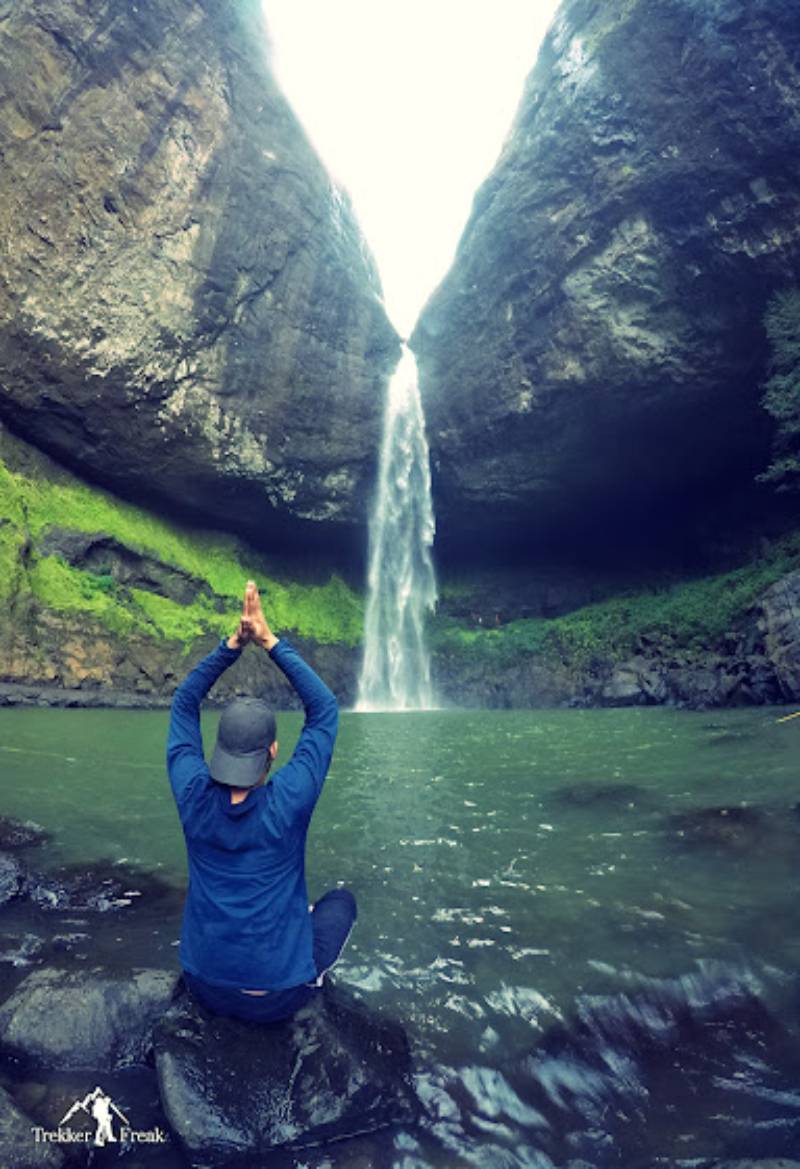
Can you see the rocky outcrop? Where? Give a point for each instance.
(58, 1020)
(20, 834)
(11, 878)
(17, 1147)
(188, 310)
(332, 1071)
(755, 662)
(780, 621)
(662, 674)
(81, 663)
(590, 365)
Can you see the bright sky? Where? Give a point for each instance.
(408, 103)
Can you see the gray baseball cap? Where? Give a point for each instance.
(246, 732)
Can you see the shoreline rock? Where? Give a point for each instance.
(62, 1020)
(17, 1150)
(331, 1072)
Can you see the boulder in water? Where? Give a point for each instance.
(232, 1089)
(60, 1020)
(11, 877)
(675, 1072)
(17, 1146)
(20, 833)
(19, 949)
(101, 888)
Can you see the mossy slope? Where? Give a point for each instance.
(36, 496)
(693, 615)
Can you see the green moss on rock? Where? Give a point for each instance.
(36, 495)
(691, 615)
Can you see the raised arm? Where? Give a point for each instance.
(185, 759)
(295, 788)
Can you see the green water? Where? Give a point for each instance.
(487, 900)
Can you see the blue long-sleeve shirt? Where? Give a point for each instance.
(246, 922)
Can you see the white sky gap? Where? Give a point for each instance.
(408, 105)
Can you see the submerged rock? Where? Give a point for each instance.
(736, 827)
(60, 1020)
(18, 1149)
(620, 796)
(231, 1089)
(670, 1072)
(20, 950)
(20, 833)
(102, 888)
(11, 878)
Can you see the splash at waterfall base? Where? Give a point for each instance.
(402, 587)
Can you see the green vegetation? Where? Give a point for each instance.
(691, 615)
(41, 496)
(782, 391)
(66, 589)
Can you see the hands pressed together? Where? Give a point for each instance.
(252, 623)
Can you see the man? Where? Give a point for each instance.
(250, 945)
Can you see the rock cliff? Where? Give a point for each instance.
(188, 312)
(596, 350)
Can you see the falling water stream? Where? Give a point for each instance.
(402, 586)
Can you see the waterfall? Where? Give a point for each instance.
(396, 671)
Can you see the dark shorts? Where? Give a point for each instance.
(332, 919)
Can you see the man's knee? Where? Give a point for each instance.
(347, 897)
(343, 897)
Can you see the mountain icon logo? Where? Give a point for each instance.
(102, 1109)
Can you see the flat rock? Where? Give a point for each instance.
(61, 1020)
(230, 1088)
(18, 1149)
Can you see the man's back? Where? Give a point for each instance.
(246, 922)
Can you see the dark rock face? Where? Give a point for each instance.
(696, 680)
(230, 1089)
(60, 1020)
(17, 1147)
(780, 620)
(757, 663)
(85, 664)
(190, 314)
(102, 554)
(596, 348)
